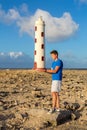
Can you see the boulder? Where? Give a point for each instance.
(44, 118)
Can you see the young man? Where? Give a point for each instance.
(56, 71)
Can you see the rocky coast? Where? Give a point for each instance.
(25, 100)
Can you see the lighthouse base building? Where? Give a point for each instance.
(39, 52)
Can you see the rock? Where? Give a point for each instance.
(1, 103)
(36, 104)
(1, 108)
(5, 117)
(46, 124)
(47, 119)
(75, 106)
(63, 116)
(66, 105)
(4, 94)
(24, 115)
(47, 103)
(37, 93)
(71, 106)
(18, 116)
(2, 128)
(22, 129)
(73, 116)
(9, 126)
(85, 102)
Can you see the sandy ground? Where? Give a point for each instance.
(25, 98)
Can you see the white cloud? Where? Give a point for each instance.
(8, 17)
(15, 54)
(57, 29)
(12, 15)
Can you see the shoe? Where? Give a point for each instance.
(52, 110)
(57, 110)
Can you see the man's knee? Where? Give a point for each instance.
(53, 93)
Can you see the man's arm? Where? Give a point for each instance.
(53, 71)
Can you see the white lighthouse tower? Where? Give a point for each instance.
(39, 52)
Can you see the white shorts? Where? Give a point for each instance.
(56, 86)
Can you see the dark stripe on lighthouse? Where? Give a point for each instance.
(35, 52)
(35, 40)
(42, 46)
(42, 34)
(42, 58)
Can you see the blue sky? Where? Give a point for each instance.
(66, 29)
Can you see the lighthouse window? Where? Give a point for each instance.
(34, 52)
(35, 28)
(35, 40)
(42, 46)
(42, 34)
(42, 58)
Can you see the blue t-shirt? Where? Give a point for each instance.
(58, 74)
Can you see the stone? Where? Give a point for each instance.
(18, 116)
(63, 116)
(85, 102)
(37, 93)
(1, 108)
(73, 116)
(1, 103)
(71, 106)
(46, 124)
(24, 115)
(54, 119)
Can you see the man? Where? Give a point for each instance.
(56, 71)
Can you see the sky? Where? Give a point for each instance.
(65, 31)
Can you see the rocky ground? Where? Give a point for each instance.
(25, 99)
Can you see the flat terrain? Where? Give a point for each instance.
(25, 98)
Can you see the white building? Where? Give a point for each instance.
(39, 52)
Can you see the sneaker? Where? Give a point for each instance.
(52, 110)
(57, 110)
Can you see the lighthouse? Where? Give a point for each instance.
(39, 52)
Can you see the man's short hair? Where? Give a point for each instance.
(54, 52)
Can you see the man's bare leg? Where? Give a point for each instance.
(57, 101)
(54, 99)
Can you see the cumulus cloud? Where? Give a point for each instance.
(57, 29)
(8, 17)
